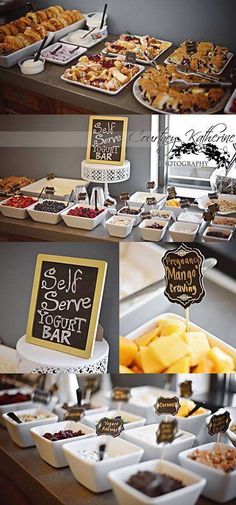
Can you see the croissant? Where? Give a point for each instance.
(54, 11)
(4, 30)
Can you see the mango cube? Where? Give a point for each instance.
(221, 360)
(128, 351)
(124, 369)
(168, 350)
(149, 363)
(198, 345)
(147, 337)
(205, 365)
(170, 326)
(181, 366)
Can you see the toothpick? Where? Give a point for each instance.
(187, 318)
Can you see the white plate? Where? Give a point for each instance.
(203, 202)
(13, 58)
(63, 187)
(139, 97)
(87, 42)
(76, 54)
(142, 62)
(230, 103)
(107, 92)
(229, 58)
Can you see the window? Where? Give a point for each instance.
(194, 146)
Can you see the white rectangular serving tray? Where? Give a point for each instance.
(87, 42)
(63, 187)
(12, 59)
(214, 341)
(142, 62)
(139, 197)
(229, 58)
(76, 54)
(106, 92)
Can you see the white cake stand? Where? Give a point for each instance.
(34, 359)
(105, 174)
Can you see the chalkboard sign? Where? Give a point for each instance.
(183, 275)
(219, 423)
(107, 140)
(167, 406)
(65, 304)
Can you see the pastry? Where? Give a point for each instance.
(8, 184)
(152, 46)
(209, 58)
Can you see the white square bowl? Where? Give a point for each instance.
(94, 474)
(152, 234)
(13, 407)
(220, 485)
(137, 217)
(223, 229)
(45, 217)
(176, 210)
(119, 230)
(51, 452)
(185, 217)
(145, 437)
(84, 223)
(186, 496)
(20, 433)
(183, 231)
(14, 212)
(97, 408)
(133, 420)
(194, 424)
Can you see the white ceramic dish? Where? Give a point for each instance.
(221, 224)
(186, 496)
(51, 452)
(76, 54)
(14, 212)
(13, 407)
(220, 486)
(45, 217)
(176, 210)
(142, 401)
(166, 215)
(140, 197)
(119, 230)
(213, 341)
(142, 62)
(36, 67)
(106, 91)
(183, 231)
(229, 104)
(193, 424)
(223, 229)
(133, 420)
(62, 186)
(84, 223)
(229, 58)
(145, 437)
(61, 412)
(77, 38)
(186, 218)
(137, 217)
(139, 97)
(20, 433)
(153, 234)
(13, 58)
(94, 19)
(94, 474)
(203, 202)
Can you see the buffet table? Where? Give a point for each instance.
(46, 93)
(27, 480)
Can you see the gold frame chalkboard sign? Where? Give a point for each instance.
(65, 304)
(111, 126)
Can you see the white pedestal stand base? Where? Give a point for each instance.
(36, 359)
(105, 174)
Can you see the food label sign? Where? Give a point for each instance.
(166, 432)
(121, 394)
(186, 389)
(183, 275)
(107, 140)
(74, 414)
(167, 406)
(65, 304)
(112, 427)
(41, 396)
(219, 423)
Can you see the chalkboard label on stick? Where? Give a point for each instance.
(219, 423)
(74, 414)
(41, 396)
(107, 140)
(183, 275)
(65, 304)
(120, 394)
(166, 432)
(167, 406)
(112, 427)
(186, 389)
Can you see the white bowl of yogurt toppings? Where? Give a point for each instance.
(188, 494)
(145, 437)
(190, 217)
(210, 461)
(153, 229)
(183, 232)
(83, 459)
(120, 226)
(20, 433)
(131, 211)
(61, 53)
(31, 67)
(130, 420)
